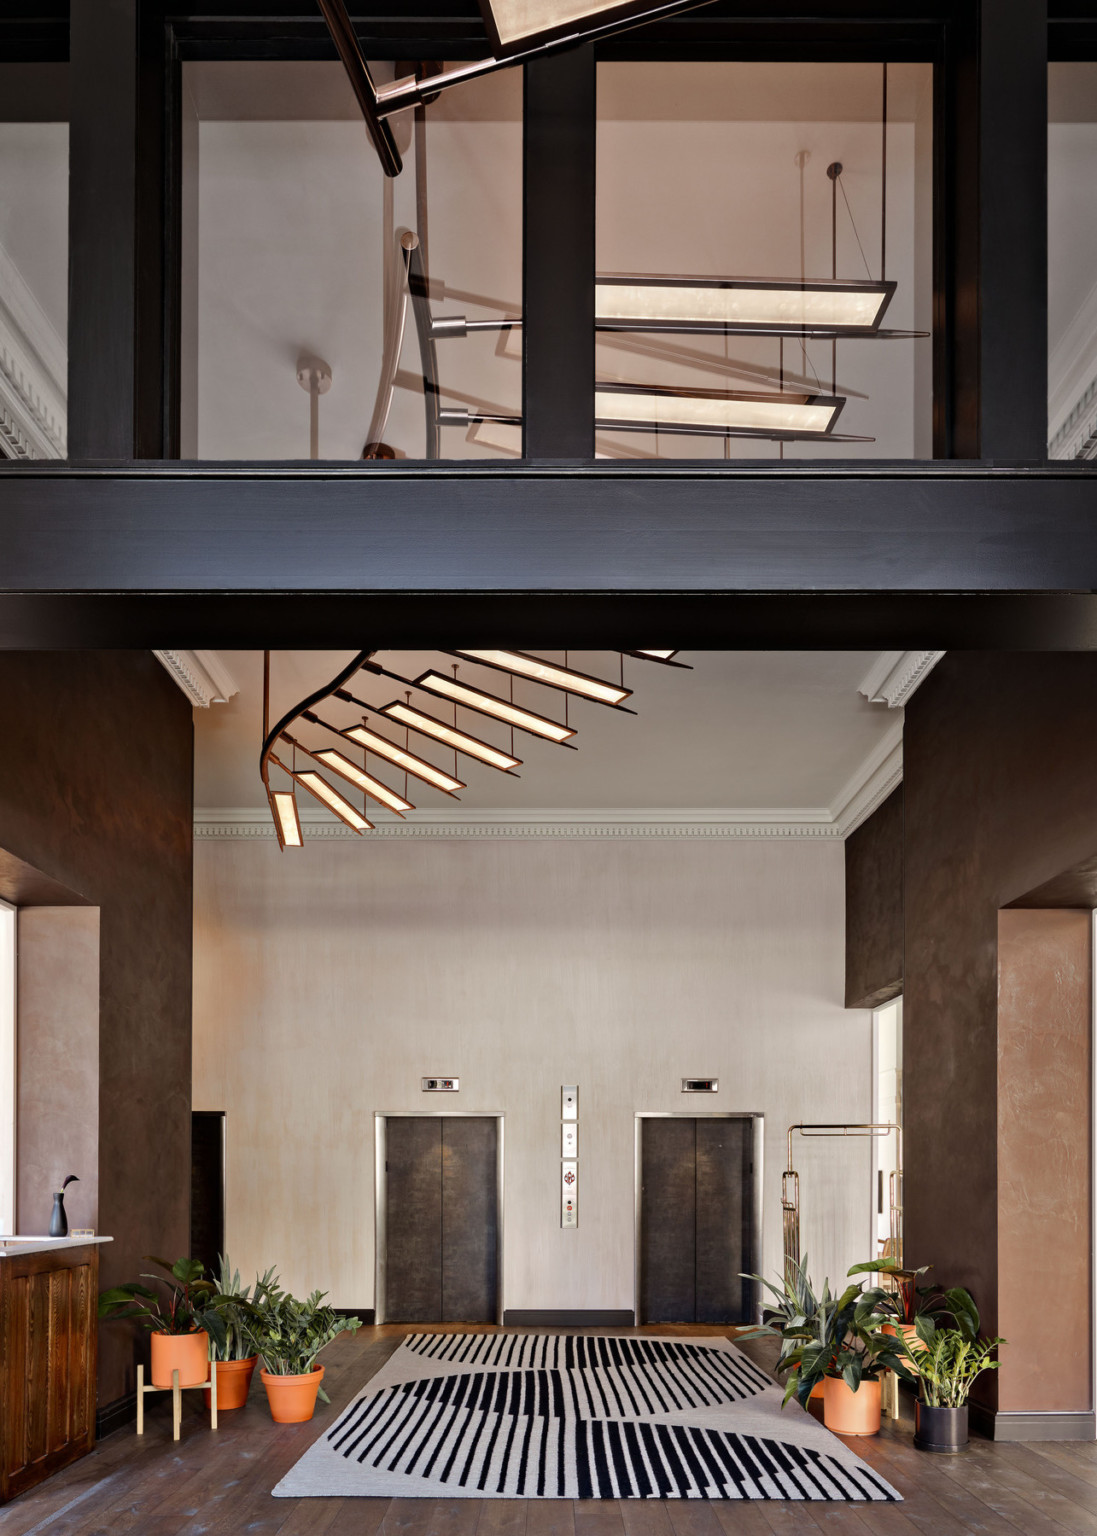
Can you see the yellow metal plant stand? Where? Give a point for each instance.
(176, 1398)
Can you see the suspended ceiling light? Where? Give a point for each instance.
(317, 785)
(655, 655)
(287, 823)
(364, 781)
(747, 305)
(726, 413)
(427, 725)
(553, 676)
(416, 766)
(488, 704)
(517, 25)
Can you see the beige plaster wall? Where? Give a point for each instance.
(328, 982)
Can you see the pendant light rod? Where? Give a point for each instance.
(354, 63)
(884, 175)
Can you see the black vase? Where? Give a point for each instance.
(940, 1429)
(59, 1222)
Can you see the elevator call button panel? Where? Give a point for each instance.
(569, 1139)
(441, 1084)
(569, 1193)
(569, 1103)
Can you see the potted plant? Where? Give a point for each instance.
(183, 1323)
(288, 1335)
(232, 1354)
(793, 1300)
(908, 1301)
(948, 1364)
(841, 1344)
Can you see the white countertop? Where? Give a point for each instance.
(10, 1247)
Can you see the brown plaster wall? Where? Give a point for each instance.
(1000, 797)
(57, 1114)
(96, 792)
(874, 906)
(1044, 1077)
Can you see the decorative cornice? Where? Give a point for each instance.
(894, 676)
(248, 823)
(33, 372)
(202, 676)
(877, 776)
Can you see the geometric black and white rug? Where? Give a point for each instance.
(558, 1416)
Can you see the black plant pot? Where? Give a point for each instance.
(940, 1429)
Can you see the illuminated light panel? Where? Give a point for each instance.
(317, 785)
(554, 676)
(488, 704)
(287, 823)
(365, 781)
(659, 655)
(406, 760)
(427, 725)
(516, 24)
(741, 304)
(709, 411)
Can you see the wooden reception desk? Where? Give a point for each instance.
(48, 1349)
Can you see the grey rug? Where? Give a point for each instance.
(551, 1416)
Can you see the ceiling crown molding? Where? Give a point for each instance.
(878, 775)
(202, 676)
(894, 676)
(249, 823)
(33, 372)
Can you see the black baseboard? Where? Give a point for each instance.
(115, 1415)
(554, 1319)
(364, 1315)
(1033, 1426)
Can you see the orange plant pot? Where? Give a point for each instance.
(818, 1392)
(187, 1353)
(292, 1399)
(233, 1382)
(910, 1333)
(851, 1413)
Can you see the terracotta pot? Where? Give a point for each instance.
(818, 1392)
(233, 1382)
(187, 1353)
(292, 1398)
(910, 1333)
(851, 1413)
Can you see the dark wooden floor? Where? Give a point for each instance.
(219, 1485)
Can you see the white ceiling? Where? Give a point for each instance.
(774, 730)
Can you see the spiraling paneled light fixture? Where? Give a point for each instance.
(721, 413)
(746, 306)
(518, 666)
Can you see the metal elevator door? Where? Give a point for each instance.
(441, 1219)
(696, 1219)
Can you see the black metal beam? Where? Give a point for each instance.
(558, 256)
(585, 528)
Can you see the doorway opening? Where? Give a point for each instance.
(439, 1218)
(698, 1217)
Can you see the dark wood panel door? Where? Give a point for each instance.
(723, 1219)
(696, 1219)
(470, 1220)
(413, 1219)
(668, 1221)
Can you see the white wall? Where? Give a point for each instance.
(327, 982)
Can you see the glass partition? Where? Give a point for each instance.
(329, 311)
(34, 260)
(1072, 261)
(765, 260)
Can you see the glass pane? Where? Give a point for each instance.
(1072, 261)
(34, 260)
(722, 172)
(293, 264)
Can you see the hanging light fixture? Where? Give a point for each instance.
(416, 766)
(720, 413)
(450, 736)
(318, 786)
(364, 781)
(488, 704)
(740, 305)
(519, 664)
(515, 26)
(287, 823)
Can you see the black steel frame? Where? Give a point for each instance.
(111, 552)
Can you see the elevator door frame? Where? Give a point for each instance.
(758, 1128)
(381, 1117)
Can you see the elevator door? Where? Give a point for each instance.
(441, 1219)
(696, 1219)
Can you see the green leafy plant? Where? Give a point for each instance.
(949, 1362)
(909, 1300)
(288, 1334)
(825, 1335)
(185, 1301)
(235, 1303)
